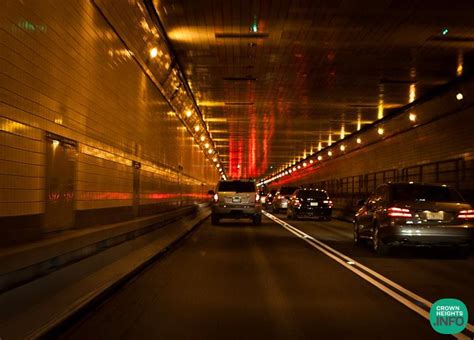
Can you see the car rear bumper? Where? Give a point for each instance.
(427, 235)
(236, 211)
(281, 204)
(313, 212)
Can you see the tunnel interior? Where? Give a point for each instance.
(119, 119)
(136, 108)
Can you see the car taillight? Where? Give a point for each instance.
(257, 198)
(466, 214)
(297, 202)
(281, 197)
(399, 212)
(216, 197)
(328, 202)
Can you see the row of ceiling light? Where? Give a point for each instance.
(311, 160)
(198, 128)
(204, 140)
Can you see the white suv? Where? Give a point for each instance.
(236, 199)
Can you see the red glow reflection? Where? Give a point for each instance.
(108, 195)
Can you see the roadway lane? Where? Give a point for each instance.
(240, 281)
(430, 273)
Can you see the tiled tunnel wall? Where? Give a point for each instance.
(74, 101)
(437, 148)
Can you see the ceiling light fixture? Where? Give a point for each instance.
(153, 52)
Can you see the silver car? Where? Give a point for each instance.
(414, 214)
(282, 198)
(236, 199)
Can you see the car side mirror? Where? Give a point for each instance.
(360, 203)
(211, 192)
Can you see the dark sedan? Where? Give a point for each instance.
(313, 203)
(414, 214)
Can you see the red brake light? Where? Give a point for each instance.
(399, 212)
(216, 197)
(328, 202)
(466, 214)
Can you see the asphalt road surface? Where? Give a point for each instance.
(238, 281)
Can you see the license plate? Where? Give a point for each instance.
(235, 199)
(314, 204)
(434, 215)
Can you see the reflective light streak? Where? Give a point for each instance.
(91, 151)
(380, 108)
(412, 93)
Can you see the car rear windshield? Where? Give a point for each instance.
(428, 193)
(237, 186)
(320, 195)
(288, 190)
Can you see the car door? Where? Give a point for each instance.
(368, 213)
(381, 204)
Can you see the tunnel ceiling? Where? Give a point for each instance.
(275, 80)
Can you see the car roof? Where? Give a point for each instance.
(237, 180)
(416, 183)
(312, 189)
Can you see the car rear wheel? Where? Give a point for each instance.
(379, 247)
(214, 219)
(257, 219)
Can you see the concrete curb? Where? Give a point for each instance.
(38, 310)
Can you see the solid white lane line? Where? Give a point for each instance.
(402, 289)
(345, 260)
(370, 271)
